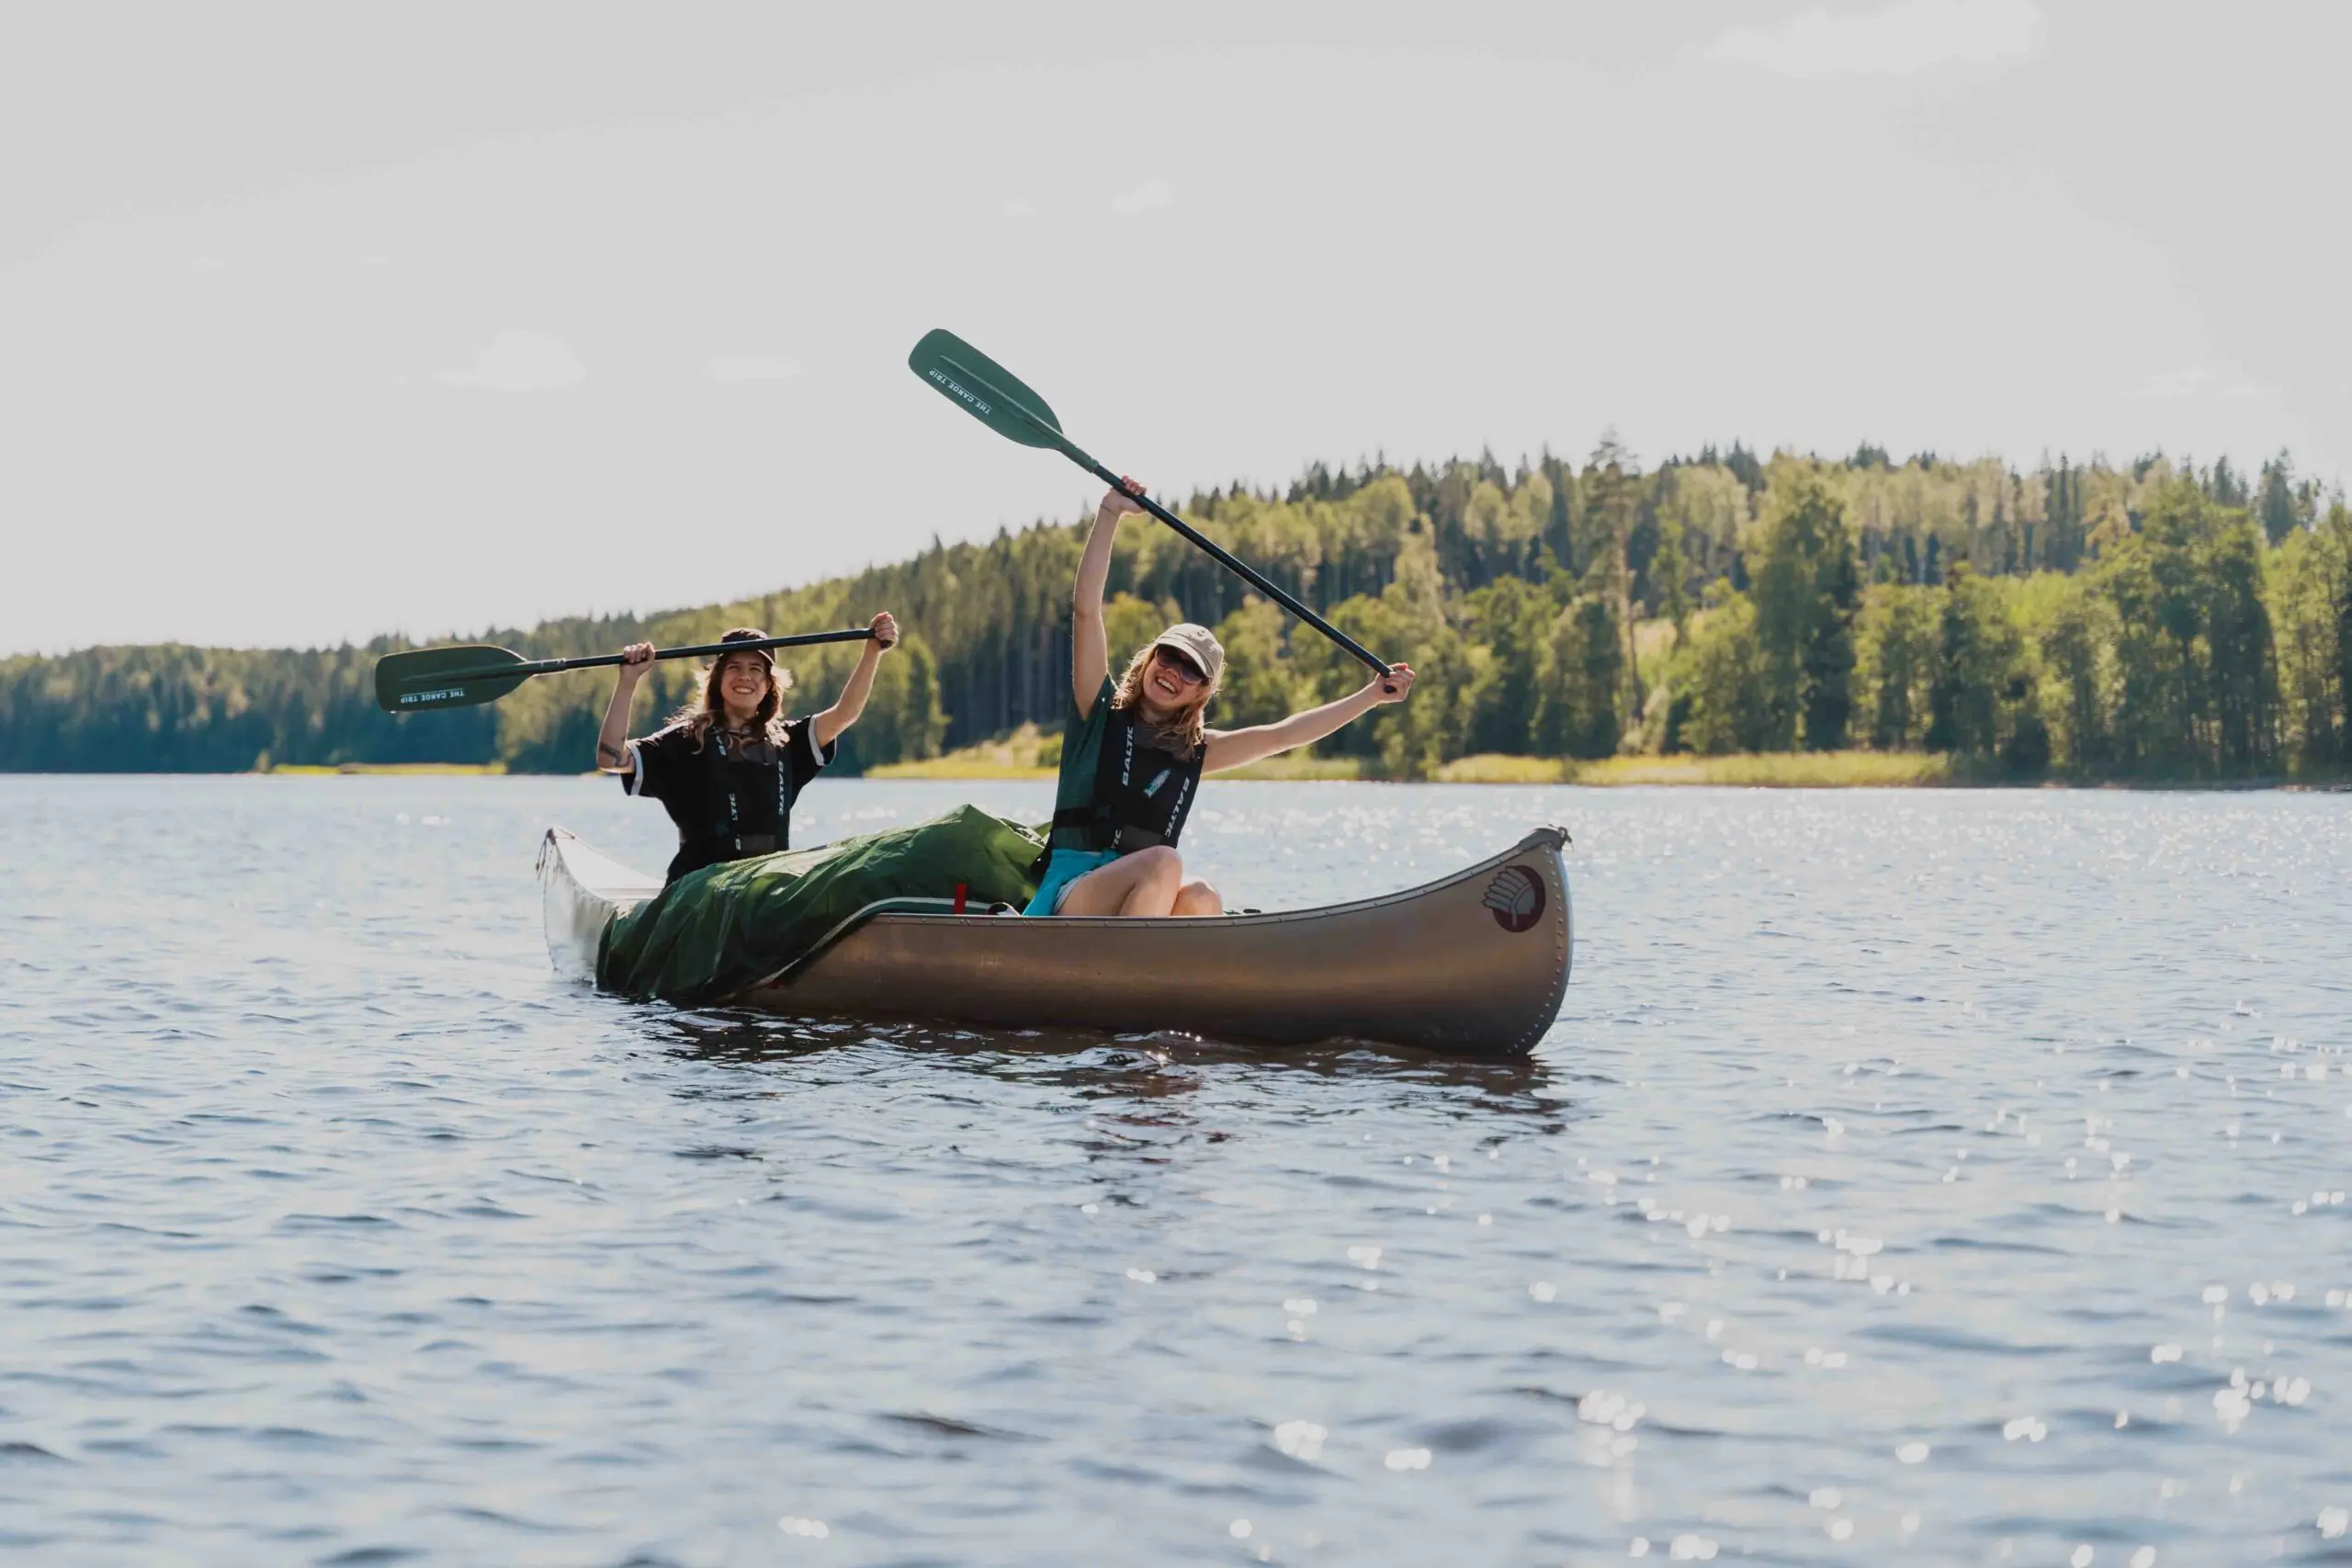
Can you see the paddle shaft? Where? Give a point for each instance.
(699, 650)
(1216, 552)
(1242, 570)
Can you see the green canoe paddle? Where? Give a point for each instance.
(1004, 402)
(468, 674)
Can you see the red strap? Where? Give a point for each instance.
(959, 898)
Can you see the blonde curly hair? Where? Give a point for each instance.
(1189, 729)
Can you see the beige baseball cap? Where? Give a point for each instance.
(1196, 643)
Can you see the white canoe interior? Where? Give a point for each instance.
(1476, 963)
(580, 892)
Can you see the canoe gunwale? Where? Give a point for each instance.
(881, 907)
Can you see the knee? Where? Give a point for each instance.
(1159, 863)
(1199, 899)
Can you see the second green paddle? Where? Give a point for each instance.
(999, 399)
(471, 673)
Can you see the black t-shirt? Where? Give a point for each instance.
(726, 791)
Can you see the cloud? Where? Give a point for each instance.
(1143, 198)
(1899, 40)
(521, 362)
(754, 367)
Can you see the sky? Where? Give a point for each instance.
(317, 322)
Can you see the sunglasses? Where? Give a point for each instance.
(1183, 667)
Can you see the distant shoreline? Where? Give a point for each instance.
(1784, 770)
(998, 762)
(394, 770)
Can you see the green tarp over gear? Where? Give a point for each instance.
(712, 932)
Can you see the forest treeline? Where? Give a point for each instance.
(2155, 619)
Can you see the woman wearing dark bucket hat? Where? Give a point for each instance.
(1135, 749)
(729, 765)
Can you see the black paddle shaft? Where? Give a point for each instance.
(1243, 570)
(699, 650)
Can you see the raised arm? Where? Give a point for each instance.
(1089, 653)
(612, 741)
(1239, 748)
(829, 724)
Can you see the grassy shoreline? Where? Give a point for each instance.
(1017, 758)
(383, 770)
(1024, 754)
(1828, 770)
(1775, 770)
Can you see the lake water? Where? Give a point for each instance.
(1922, 1176)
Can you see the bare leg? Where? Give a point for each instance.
(1145, 883)
(1197, 897)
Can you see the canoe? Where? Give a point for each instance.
(1474, 964)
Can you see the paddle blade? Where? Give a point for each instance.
(985, 390)
(458, 677)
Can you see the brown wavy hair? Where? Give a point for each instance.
(1191, 727)
(709, 706)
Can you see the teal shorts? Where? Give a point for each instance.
(1066, 867)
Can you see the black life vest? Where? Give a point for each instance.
(747, 804)
(1142, 795)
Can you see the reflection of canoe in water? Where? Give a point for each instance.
(1476, 963)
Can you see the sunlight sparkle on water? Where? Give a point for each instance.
(1877, 1039)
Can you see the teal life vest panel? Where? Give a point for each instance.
(1141, 794)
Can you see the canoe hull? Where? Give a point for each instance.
(1474, 964)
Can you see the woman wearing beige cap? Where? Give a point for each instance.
(1135, 749)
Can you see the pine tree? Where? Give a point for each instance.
(2275, 508)
(1807, 589)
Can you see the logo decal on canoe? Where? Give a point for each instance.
(1516, 896)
